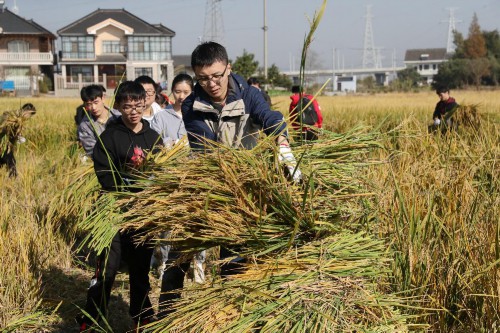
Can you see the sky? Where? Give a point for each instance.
(397, 25)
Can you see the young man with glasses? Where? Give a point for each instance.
(151, 88)
(223, 108)
(122, 148)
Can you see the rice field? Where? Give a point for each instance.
(433, 204)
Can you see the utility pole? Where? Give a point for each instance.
(265, 40)
(333, 70)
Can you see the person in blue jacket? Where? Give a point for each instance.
(224, 109)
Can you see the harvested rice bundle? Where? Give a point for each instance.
(11, 125)
(328, 285)
(467, 115)
(241, 197)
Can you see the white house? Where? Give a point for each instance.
(426, 61)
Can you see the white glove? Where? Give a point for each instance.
(286, 156)
(21, 139)
(437, 121)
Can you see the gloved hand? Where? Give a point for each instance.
(286, 156)
(21, 139)
(437, 121)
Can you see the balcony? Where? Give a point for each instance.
(26, 58)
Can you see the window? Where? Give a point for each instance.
(18, 46)
(110, 46)
(419, 67)
(78, 47)
(149, 48)
(426, 66)
(434, 66)
(139, 71)
(86, 71)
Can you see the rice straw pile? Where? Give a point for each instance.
(11, 125)
(466, 115)
(309, 269)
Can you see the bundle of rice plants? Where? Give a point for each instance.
(243, 197)
(323, 286)
(307, 271)
(468, 115)
(11, 125)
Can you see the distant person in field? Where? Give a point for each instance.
(445, 105)
(307, 121)
(96, 116)
(10, 134)
(152, 107)
(122, 148)
(254, 82)
(224, 109)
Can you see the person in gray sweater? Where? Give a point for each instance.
(96, 116)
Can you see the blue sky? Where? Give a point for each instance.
(397, 24)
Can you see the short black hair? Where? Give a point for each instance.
(144, 79)
(91, 92)
(183, 78)
(253, 80)
(296, 89)
(208, 53)
(28, 107)
(442, 89)
(130, 91)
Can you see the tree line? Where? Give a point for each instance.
(246, 66)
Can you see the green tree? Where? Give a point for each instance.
(277, 79)
(459, 41)
(409, 77)
(454, 73)
(245, 65)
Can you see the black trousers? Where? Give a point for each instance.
(171, 284)
(9, 160)
(137, 258)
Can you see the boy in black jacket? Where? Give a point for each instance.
(122, 148)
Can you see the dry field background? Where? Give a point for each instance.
(436, 205)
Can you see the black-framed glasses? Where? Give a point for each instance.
(215, 78)
(150, 92)
(128, 108)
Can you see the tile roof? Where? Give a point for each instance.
(141, 27)
(426, 54)
(11, 23)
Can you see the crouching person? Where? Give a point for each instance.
(122, 148)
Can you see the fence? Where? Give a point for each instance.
(66, 87)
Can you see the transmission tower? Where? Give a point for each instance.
(371, 57)
(214, 24)
(450, 48)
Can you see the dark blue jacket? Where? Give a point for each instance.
(245, 113)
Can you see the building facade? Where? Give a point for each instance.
(111, 45)
(26, 53)
(426, 61)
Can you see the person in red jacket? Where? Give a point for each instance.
(307, 127)
(445, 105)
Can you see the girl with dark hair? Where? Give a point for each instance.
(182, 87)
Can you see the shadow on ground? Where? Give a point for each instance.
(66, 291)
